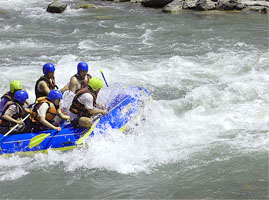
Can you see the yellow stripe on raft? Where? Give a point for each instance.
(32, 153)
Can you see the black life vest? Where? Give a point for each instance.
(83, 82)
(51, 85)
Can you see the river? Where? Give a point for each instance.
(206, 133)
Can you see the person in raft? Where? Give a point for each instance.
(45, 110)
(14, 112)
(81, 79)
(46, 83)
(9, 96)
(84, 106)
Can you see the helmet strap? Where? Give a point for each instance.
(18, 102)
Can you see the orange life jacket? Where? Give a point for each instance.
(20, 114)
(77, 107)
(51, 86)
(83, 82)
(51, 112)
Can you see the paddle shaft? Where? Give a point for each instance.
(16, 125)
(1, 140)
(103, 77)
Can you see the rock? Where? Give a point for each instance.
(240, 6)
(256, 6)
(136, 1)
(227, 4)
(205, 5)
(260, 9)
(118, 1)
(88, 6)
(155, 3)
(56, 7)
(254, 3)
(189, 4)
(173, 7)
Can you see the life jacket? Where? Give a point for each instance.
(20, 114)
(8, 96)
(51, 85)
(83, 82)
(51, 112)
(77, 107)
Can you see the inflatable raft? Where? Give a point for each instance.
(126, 104)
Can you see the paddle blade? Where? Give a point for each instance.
(37, 140)
(81, 140)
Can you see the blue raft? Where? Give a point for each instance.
(124, 107)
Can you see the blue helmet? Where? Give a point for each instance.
(48, 67)
(21, 96)
(55, 94)
(82, 66)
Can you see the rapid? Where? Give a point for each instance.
(206, 132)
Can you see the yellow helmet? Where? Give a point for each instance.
(15, 85)
(96, 83)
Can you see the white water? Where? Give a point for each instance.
(168, 136)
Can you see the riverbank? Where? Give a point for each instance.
(177, 6)
(172, 6)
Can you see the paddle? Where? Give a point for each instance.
(1, 140)
(39, 138)
(103, 77)
(81, 140)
